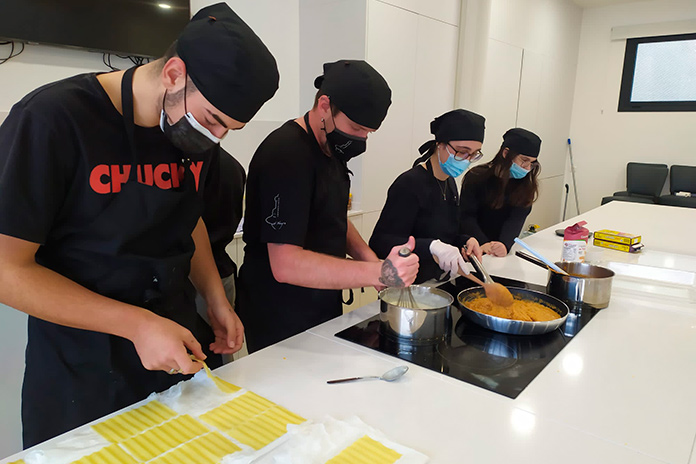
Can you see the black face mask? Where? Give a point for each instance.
(344, 146)
(187, 134)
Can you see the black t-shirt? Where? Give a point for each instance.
(222, 209)
(419, 204)
(479, 219)
(295, 195)
(115, 222)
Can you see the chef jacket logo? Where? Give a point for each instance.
(272, 220)
(108, 178)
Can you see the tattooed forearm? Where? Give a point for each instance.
(390, 276)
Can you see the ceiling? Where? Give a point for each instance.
(596, 3)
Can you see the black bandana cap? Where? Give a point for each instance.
(456, 125)
(228, 62)
(522, 141)
(357, 89)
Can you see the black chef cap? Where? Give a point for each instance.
(458, 125)
(228, 62)
(357, 89)
(522, 141)
(455, 125)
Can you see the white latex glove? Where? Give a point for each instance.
(448, 257)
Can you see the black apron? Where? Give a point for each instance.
(74, 376)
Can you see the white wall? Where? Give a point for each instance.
(524, 54)
(603, 139)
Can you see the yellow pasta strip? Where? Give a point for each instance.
(21, 461)
(289, 417)
(248, 438)
(224, 386)
(234, 412)
(207, 449)
(366, 450)
(132, 422)
(252, 419)
(111, 454)
(162, 438)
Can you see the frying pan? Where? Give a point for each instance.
(510, 326)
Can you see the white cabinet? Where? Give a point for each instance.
(446, 11)
(500, 93)
(392, 51)
(417, 55)
(436, 73)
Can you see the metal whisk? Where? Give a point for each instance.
(406, 299)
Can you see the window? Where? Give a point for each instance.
(659, 74)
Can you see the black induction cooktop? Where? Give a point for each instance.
(498, 362)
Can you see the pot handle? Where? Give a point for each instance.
(532, 259)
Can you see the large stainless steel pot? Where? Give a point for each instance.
(587, 285)
(431, 322)
(510, 326)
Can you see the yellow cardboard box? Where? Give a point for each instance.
(635, 248)
(618, 237)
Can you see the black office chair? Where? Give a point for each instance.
(681, 179)
(644, 182)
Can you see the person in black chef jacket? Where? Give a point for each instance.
(497, 197)
(296, 228)
(222, 212)
(101, 178)
(423, 201)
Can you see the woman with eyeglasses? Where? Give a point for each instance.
(424, 201)
(497, 197)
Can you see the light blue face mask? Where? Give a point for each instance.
(517, 171)
(453, 167)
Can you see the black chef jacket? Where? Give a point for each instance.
(419, 204)
(222, 208)
(479, 219)
(115, 222)
(295, 195)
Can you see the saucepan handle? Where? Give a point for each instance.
(531, 259)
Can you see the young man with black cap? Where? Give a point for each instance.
(100, 181)
(296, 228)
(423, 201)
(497, 197)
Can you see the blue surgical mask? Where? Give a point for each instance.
(517, 171)
(453, 167)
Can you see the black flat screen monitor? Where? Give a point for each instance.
(124, 27)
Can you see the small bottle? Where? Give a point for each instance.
(575, 242)
(350, 201)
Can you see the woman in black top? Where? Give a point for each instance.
(423, 201)
(497, 197)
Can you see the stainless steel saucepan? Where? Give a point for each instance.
(586, 285)
(430, 321)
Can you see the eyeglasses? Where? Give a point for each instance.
(465, 155)
(527, 164)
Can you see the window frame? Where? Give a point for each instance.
(629, 67)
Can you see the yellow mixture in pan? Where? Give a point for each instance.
(521, 310)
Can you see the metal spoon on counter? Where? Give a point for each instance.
(389, 376)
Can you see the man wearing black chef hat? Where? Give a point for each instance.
(101, 178)
(296, 228)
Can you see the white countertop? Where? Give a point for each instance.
(622, 391)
